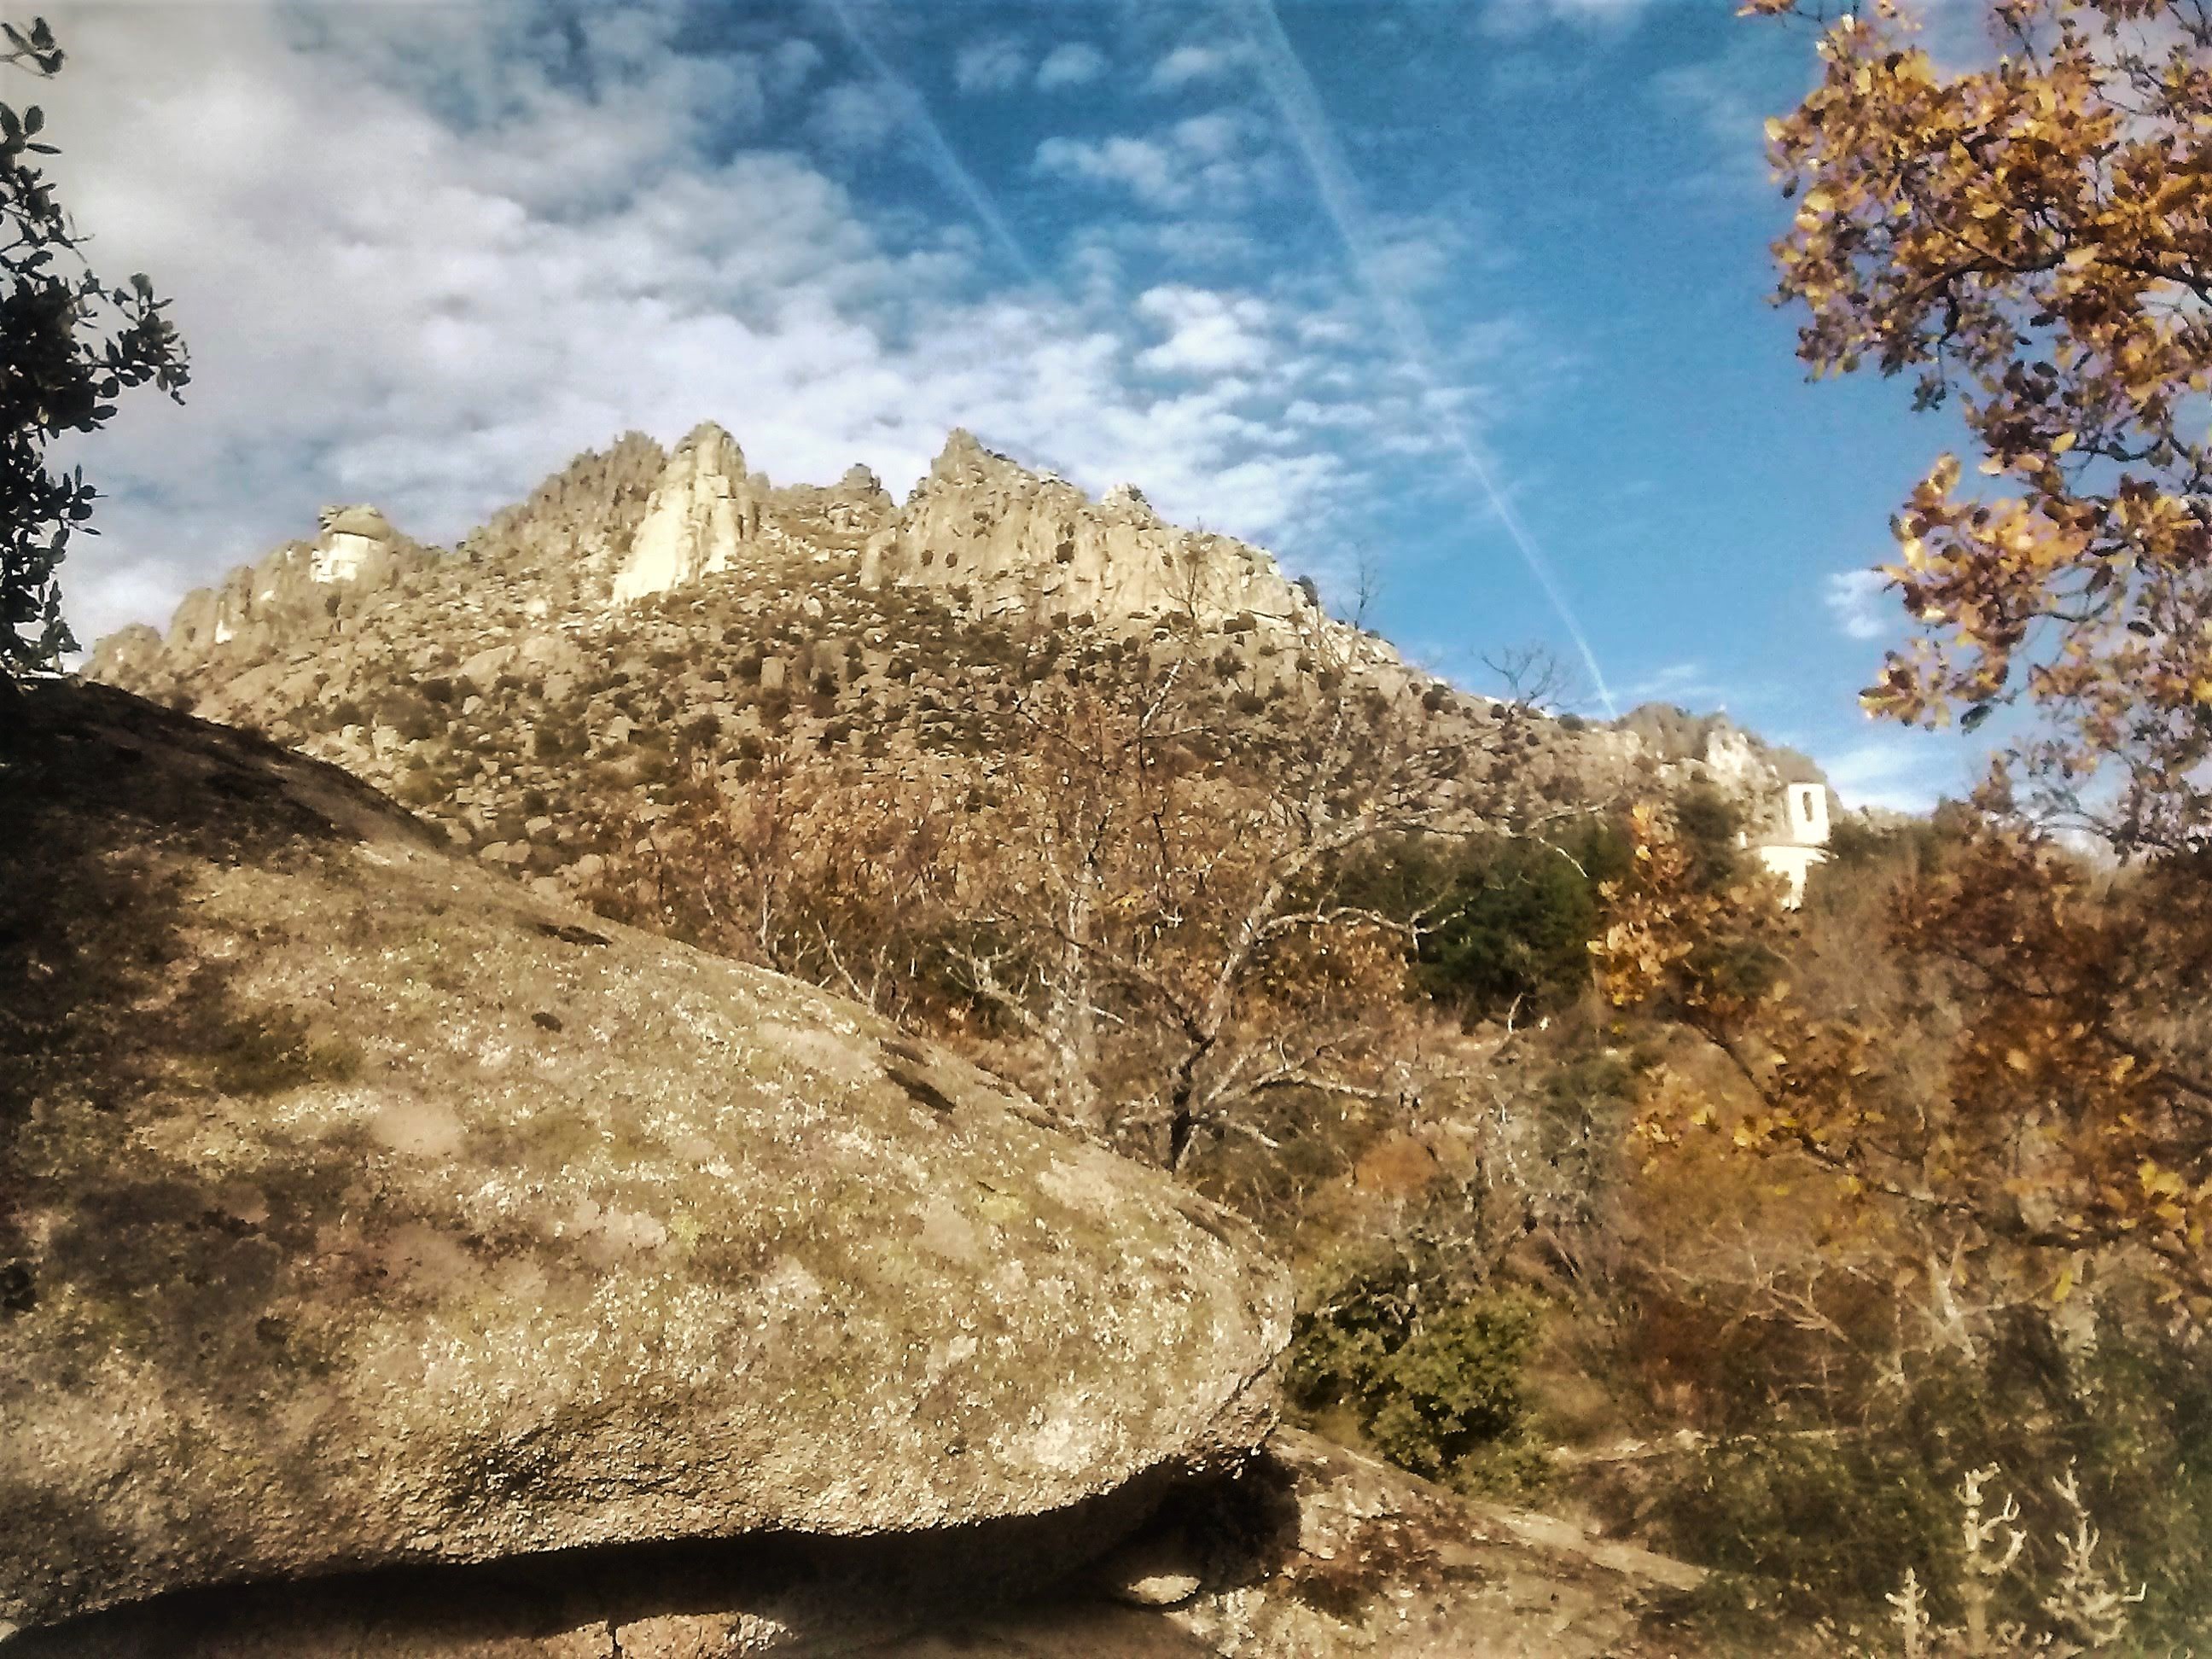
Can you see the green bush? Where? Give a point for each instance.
(1824, 1528)
(1510, 919)
(1823, 1519)
(1436, 1389)
(1710, 822)
(1456, 1384)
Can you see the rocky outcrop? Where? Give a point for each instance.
(353, 538)
(704, 513)
(262, 609)
(1019, 540)
(578, 523)
(365, 1212)
(503, 683)
(1318, 1552)
(1364, 1558)
(708, 515)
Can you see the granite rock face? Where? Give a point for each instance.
(301, 586)
(703, 512)
(366, 1211)
(708, 515)
(1025, 541)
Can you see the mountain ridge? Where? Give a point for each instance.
(644, 609)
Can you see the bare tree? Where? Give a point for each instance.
(1172, 917)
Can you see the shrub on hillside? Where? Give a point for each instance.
(1433, 1383)
(1709, 823)
(1507, 921)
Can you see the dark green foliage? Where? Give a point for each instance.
(1430, 1381)
(1505, 920)
(548, 741)
(1522, 922)
(1826, 1526)
(1456, 1385)
(413, 715)
(1825, 1518)
(69, 344)
(1710, 823)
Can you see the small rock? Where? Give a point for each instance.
(1157, 1589)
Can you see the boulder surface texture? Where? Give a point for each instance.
(360, 1210)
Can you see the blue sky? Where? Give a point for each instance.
(1471, 297)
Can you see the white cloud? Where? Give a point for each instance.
(1687, 685)
(997, 63)
(1902, 771)
(1221, 158)
(1144, 168)
(1207, 333)
(1071, 63)
(1192, 64)
(792, 64)
(854, 118)
(1510, 18)
(1859, 603)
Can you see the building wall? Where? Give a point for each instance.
(1791, 861)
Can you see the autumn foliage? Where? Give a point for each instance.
(2017, 1085)
(2021, 1095)
(2031, 239)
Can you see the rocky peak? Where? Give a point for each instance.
(964, 457)
(712, 448)
(704, 509)
(1129, 502)
(352, 537)
(1018, 540)
(301, 586)
(580, 519)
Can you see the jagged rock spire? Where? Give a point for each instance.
(703, 511)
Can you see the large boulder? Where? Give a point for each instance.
(359, 1210)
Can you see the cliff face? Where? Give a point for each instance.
(632, 523)
(259, 610)
(708, 515)
(1020, 541)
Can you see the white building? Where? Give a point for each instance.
(1796, 839)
